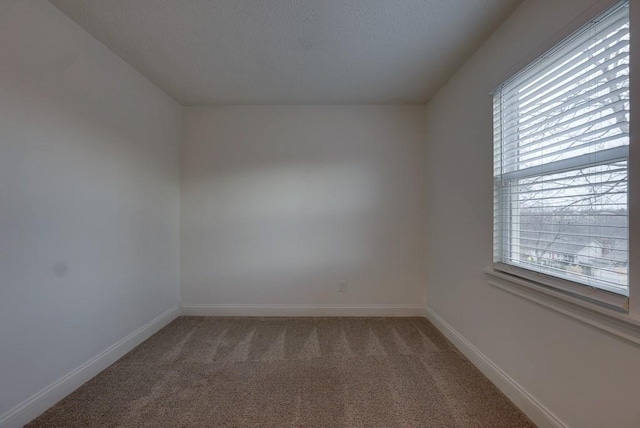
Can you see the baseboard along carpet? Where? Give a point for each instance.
(289, 372)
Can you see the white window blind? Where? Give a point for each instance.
(561, 137)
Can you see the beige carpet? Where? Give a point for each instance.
(289, 372)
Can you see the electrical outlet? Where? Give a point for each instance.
(342, 286)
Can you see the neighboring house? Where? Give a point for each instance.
(591, 254)
(604, 262)
(603, 255)
(601, 261)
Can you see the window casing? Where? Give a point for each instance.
(561, 154)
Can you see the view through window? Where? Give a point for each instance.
(561, 131)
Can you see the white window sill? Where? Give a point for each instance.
(613, 322)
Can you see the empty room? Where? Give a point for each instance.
(320, 213)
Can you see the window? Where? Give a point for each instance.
(561, 149)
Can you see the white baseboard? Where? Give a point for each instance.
(43, 400)
(531, 407)
(305, 310)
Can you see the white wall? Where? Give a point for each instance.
(89, 199)
(280, 203)
(584, 376)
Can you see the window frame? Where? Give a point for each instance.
(607, 302)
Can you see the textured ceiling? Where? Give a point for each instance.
(205, 52)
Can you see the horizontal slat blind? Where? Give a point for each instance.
(561, 136)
